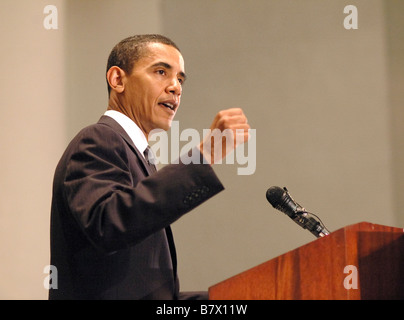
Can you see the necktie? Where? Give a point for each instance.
(151, 160)
(149, 156)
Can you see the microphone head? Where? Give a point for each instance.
(274, 196)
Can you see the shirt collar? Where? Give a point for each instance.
(131, 128)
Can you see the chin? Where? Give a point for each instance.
(165, 126)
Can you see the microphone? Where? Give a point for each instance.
(281, 200)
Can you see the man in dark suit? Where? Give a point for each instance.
(111, 211)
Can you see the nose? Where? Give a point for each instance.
(174, 87)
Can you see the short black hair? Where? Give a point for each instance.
(128, 51)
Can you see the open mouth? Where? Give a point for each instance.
(168, 105)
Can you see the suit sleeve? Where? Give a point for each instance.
(116, 210)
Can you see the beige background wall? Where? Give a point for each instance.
(32, 137)
(326, 104)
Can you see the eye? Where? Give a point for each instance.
(161, 72)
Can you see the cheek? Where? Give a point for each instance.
(149, 101)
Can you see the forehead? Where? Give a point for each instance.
(159, 52)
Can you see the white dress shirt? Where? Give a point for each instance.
(131, 128)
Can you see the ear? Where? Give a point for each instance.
(115, 78)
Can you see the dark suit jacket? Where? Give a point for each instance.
(110, 220)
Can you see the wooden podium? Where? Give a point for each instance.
(360, 261)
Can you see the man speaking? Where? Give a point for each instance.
(111, 210)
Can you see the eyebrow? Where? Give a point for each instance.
(168, 66)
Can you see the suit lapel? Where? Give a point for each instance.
(106, 120)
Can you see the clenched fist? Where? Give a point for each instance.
(229, 129)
